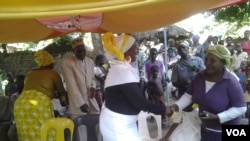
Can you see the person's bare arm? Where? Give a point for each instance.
(158, 86)
(170, 131)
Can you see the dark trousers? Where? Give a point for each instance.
(207, 135)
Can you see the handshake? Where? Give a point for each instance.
(203, 115)
(171, 109)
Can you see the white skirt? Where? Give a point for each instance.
(118, 127)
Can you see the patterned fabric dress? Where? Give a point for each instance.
(31, 110)
(34, 105)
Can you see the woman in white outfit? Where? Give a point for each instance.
(123, 96)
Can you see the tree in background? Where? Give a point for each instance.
(227, 21)
(4, 47)
(60, 45)
(236, 15)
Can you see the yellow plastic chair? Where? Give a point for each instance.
(59, 124)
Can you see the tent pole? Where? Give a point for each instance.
(166, 60)
(166, 67)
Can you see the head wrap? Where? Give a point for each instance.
(117, 46)
(221, 52)
(77, 42)
(43, 58)
(196, 37)
(185, 44)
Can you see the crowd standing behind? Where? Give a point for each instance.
(101, 70)
(237, 51)
(182, 57)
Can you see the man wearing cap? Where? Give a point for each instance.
(185, 69)
(78, 72)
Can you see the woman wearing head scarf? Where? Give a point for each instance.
(218, 94)
(33, 107)
(123, 97)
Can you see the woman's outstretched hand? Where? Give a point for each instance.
(168, 111)
(205, 115)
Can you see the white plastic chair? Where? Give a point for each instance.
(143, 126)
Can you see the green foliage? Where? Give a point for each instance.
(60, 45)
(237, 14)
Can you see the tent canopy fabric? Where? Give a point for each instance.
(29, 20)
(229, 3)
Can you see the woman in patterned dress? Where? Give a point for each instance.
(33, 107)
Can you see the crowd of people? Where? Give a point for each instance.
(133, 76)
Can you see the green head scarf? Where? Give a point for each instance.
(221, 52)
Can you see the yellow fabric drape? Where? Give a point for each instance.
(18, 18)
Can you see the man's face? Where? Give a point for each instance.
(171, 53)
(229, 41)
(80, 52)
(153, 55)
(171, 43)
(183, 50)
(238, 47)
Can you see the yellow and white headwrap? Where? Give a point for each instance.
(117, 46)
(43, 58)
(221, 52)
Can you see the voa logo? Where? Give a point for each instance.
(236, 132)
